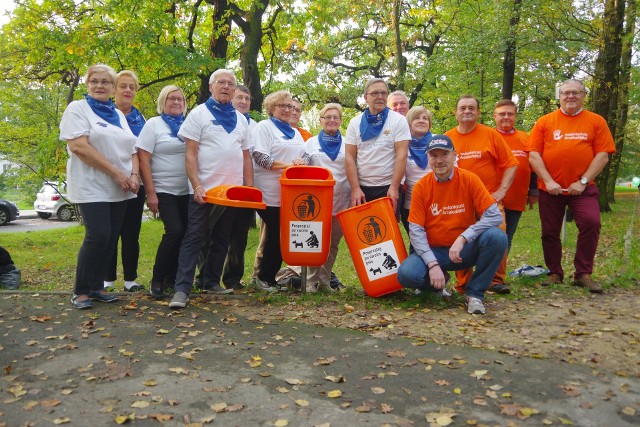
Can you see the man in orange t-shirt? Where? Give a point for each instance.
(505, 114)
(444, 231)
(482, 151)
(569, 148)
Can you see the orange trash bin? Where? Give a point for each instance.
(306, 204)
(237, 196)
(375, 243)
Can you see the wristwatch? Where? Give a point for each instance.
(584, 181)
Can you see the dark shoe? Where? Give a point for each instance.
(587, 282)
(156, 290)
(263, 285)
(81, 305)
(97, 296)
(552, 279)
(500, 288)
(217, 289)
(290, 284)
(335, 284)
(236, 286)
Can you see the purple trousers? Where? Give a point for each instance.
(586, 211)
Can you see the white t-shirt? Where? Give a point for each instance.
(376, 157)
(220, 160)
(342, 189)
(270, 140)
(86, 184)
(412, 174)
(167, 157)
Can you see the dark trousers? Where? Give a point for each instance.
(174, 215)
(102, 223)
(234, 265)
(197, 227)
(272, 257)
(512, 218)
(587, 216)
(129, 236)
(373, 193)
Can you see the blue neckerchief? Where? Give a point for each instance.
(372, 124)
(174, 123)
(284, 127)
(330, 144)
(106, 110)
(135, 120)
(418, 150)
(248, 117)
(224, 114)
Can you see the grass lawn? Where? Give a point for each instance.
(47, 258)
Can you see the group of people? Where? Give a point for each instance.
(456, 216)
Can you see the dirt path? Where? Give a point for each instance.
(600, 331)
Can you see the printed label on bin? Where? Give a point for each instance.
(305, 236)
(380, 260)
(372, 230)
(306, 207)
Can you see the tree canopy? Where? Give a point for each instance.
(322, 51)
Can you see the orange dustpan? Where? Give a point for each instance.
(237, 196)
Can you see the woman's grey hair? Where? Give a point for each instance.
(98, 68)
(414, 112)
(128, 73)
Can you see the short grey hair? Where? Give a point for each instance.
(580, 82)
(98, 68)
(399, 93)
(373, 81)
(214, 76)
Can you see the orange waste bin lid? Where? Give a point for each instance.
(237, 196)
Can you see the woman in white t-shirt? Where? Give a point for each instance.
(162, 167)
(102, 174)
(419, 119)
(277, 146)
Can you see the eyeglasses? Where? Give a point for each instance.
(286, 106)
(331, 117)
(225, 83)
(572, 92)
(100, 82)
(297, 110)
(378, 94)
(175, 99)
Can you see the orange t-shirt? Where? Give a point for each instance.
(516, 197)
(568, 144)
(446, 209)
(305, 133)
(483, 152)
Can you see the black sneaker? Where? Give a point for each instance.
(335, 284)
(156, 290)
(216, 289)
(236, 286)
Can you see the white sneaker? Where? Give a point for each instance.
(132, 286)
(264, 286)
(108, 286)
(475, 305)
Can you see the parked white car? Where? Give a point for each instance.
(52, 200)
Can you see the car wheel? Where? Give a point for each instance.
(65, 213)
(4, 216)
(44, 215)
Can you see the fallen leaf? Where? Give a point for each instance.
(377, 390)
(335, 379)
(293, 381)
(150, 383)
(123, 419)
(334, 393)
(140, 404)
(281, 423)
(385, 408)
(302, 402)
(62, 420)
(219, 407)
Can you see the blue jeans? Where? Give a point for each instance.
(485, 253)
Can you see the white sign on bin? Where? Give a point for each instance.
(380, 260)
(305, 236)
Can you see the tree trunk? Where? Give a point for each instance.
(623, 97)
(509, 61)
(250, 51)
(605, 82)
(218, 43)
(401, 61)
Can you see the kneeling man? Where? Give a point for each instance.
(444, 231)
